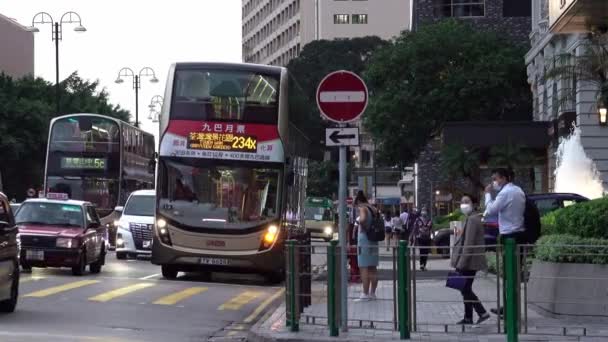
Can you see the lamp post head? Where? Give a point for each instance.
(118, 80)
(33, 29)
(154, 80)
(80, 28)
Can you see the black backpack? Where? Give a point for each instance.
(375, 232)
(531, 222)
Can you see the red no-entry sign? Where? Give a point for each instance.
(342, 96)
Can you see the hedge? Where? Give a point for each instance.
(588, 220)
(565, 248)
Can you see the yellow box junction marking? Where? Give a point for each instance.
(181, 295)
(123, 291)
(61, 288)
(239, 301)
(263, 306)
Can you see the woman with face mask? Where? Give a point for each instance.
(469, 256)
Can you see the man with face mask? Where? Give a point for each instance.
(509, 205)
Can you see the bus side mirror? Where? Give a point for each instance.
(152, 166)
(119, 209)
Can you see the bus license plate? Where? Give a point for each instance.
(147, 244)
(34, 255)
(215, 261)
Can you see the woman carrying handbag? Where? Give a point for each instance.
(468, 257)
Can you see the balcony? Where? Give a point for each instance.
(577, 16)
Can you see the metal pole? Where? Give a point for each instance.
(375, 175)
(293, 315)
(403, 297)
(331, 288)
(136, 100)
(343, 239)
(57, 91)
(511, 292)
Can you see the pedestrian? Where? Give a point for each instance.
(367, 251)
(468, 257)
(422, 236)
(31, 193)
(404, 232)
(508, 201)
(397, 226)
(355, 275)
(388, 228)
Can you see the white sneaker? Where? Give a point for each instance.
(363, 298)
(372, 296)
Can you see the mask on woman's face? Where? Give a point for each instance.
(466, 208)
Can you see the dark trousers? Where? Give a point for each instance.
(424, 244)
(469, 297)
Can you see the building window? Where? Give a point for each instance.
(341, 19)
(517, 8)
(460, 8)
(359, 18)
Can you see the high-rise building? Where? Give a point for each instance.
(274, 31)
(17, 46)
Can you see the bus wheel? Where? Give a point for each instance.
(276, 277)
(169, 272)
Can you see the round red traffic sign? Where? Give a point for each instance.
(342, 96)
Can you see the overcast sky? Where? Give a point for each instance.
(135, 34)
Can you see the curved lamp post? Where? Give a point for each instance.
(144, 72)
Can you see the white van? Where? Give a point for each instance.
(134, 232)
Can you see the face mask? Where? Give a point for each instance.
(466, 209)
(496, 186)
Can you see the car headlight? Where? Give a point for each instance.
(160, 223)
(116, 223)
(66, 243)
(328, 230)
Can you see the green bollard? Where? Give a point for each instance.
(331, 289)
(403, 291)
(293, 324)
(511, 291)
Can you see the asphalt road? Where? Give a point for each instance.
(129, 301)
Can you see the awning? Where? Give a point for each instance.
(388, 201)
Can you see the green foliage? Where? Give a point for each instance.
(26, 107)
(444, 221)
(587, 220)
(315, 61)
(491, 260)
(447, 71)
(322, 179)
(510, 156)
(458, 161)
(565, 248)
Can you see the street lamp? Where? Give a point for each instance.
(57, 35)
(144, 72)
(156, 99)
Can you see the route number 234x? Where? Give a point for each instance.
(244, 143)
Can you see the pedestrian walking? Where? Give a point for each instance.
(404, 233)
(355, 275)
(367, 251)
(468, 257)
(388, 228)
(508, 201)
(421, 236)
(397, 227)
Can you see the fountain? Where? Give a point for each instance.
(575, 172)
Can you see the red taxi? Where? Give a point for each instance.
(58, 232)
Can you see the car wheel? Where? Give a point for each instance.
(79, 269)
(10, 304)
(95, 267)
(169, 272)
(121, 255)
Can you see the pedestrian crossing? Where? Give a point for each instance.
(158, 293)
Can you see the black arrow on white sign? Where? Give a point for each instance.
(335, 136)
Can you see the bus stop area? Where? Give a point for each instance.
(431, 309)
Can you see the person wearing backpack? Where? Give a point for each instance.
(421, 236)
(509, 204)
(367, 248)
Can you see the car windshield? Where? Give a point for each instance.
(52, 214)
(205, 194)
(139, 205)
(317, 214)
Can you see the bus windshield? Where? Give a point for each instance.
(206, 194)
(317, 214)
(102, 192)
(85, 134)
(212, 94)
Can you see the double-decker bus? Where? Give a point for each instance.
(98, 159)
(231, 172)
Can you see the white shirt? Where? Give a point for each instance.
(404, 215)
(509, 205)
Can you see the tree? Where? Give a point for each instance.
(26, 107)
(448, 71)
(316, 60)
(323, 179)
(510, 156)
(459, 161)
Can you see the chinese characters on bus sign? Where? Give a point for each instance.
(222, 142)
(83, 163)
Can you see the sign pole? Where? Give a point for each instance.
(343, 239)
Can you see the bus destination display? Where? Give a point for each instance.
(227, 142)
(83, 163)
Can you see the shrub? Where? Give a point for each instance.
(444, 221)
(564, 248)
(491, 258)
(588, 220)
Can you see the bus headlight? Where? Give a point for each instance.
(328, 230)
(271, 235)
(163, 232)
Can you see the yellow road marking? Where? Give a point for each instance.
(61, 288)
(263, 306)
(232, 333)
(123, 291)
(181, 295)
(240, 300)
(28, 279)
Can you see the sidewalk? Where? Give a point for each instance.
(437, 309)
